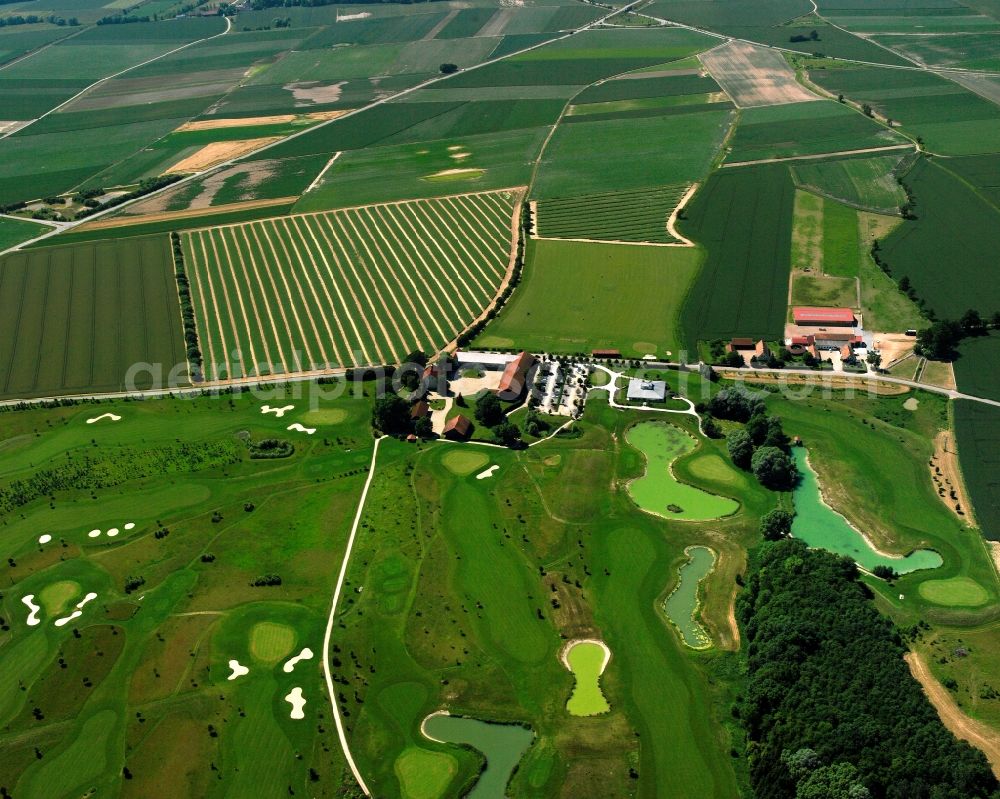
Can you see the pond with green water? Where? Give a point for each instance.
(820, 526)
(658, 491)
(682, 604)
(587, 660)
(503, 746)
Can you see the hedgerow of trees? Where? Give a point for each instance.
(195, 360)
(830, 708)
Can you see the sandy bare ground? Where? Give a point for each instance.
(243, 122)
(219, 151)
(187, 212)
(961, 726)
(893, 347)
(946, 472)
(12, 126)
(314, 91)
(754, 75)
(496, 24)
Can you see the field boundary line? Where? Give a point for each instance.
(515, 237)
(328, 635)
(682, 241)
(185, 213)
(817, 156)
(229, 27)
(396, 273)
(322, 172)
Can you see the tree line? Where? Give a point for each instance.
(830, 708)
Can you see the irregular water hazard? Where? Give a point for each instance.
(658, 491)
(503, 746)
(587, 659)
(820, 526)
(681, 606)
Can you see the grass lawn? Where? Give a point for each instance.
(577, 297)
(14, 231)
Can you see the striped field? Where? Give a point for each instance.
(352, 287)
(639, 215)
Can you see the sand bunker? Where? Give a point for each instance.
(94, 533)
(112, 532)
(349, 17)
(297, 702)
(488, 472)
(29, 600)
(111, 416)
(301, 429)
(215, 153)
(237, 670)
(130, 526)
(279, 412)
(911, 403)
(76, 613)
(305, 654)
(44, 539)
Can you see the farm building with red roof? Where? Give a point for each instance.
(807, 315)
(515, 377)
(458, 428)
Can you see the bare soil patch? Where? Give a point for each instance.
(188, 212)
(314, 91)
(946, 472)
(754, 75)
(219, 151)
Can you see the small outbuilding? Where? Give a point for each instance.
(646, 390)
(606, 354)
(419, 410)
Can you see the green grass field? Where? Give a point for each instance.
(743, 218)
(15, 231)
(867, 183)
(347, 288)
(577, 297)
(81, 316)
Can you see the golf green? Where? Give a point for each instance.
(956, 591)
(682, 604)
(587, 660)
(658, 491)
(423, 774)
(820, 526)
(463, 461)
(503, 746)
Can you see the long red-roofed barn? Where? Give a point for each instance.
(840, 317)
(514, 380)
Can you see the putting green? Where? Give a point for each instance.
(56, 597)
(462, 461)
(658, 491)
(322, 416)
(955, 591)
(270, 642)
(423, 774)
(710, 466)
(682, 604)
(586, 660)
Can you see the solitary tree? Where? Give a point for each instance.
(449, 69)
(776, 524)
(391, 415)
(508, 434)
(773, 468)
(488, 410)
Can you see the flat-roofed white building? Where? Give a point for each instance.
(646, 390)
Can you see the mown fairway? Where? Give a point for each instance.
(78, 317)
(743, 217)
(577, 297)
(358, 286)
(133, 698)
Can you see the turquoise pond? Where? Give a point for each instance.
(682, 604)
(503, 746)
(820, 526)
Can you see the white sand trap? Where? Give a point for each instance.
(112, 532)
(911, 403)
(113, 417)
(349, 17)
(94, 533)
(297, 702)
(130, 526)
(76, 613)
(44, 539)
(238, 670)
(29, 600)
(487, 472)
(301, 429)
(305, 654)
(279, 412)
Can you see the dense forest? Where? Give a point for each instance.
(831, 709)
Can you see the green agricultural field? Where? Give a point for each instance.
(977, 428)
(133, 697)
(977, 364)
(743, 218)
(634, 153)
(866, 183)
(640, 215)
(949, 119)
(15, 231)
(920, 249)
(811, 128)
(80, 316)
(577, 297)
(353, 287)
